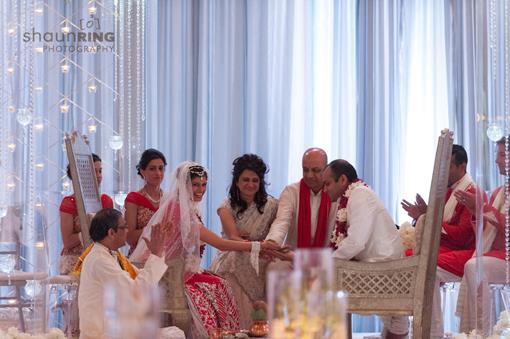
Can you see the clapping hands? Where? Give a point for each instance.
(469, 199)
(415, 210)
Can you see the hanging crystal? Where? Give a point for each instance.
(3, 211)
(38, 123)
(11, 29)
(91, 126)
(64, 106)
(119, 198)
(92, 87)
(116, 142)
(494, 132)
(65, 66)
(65, 27)
(23, 117)
(38, 9)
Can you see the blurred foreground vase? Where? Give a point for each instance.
(303, 302)
(132, 313)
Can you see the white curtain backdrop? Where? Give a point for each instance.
(276, 77)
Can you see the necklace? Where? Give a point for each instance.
(154, 201)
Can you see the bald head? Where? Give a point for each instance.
(314, 162)
(316, 152)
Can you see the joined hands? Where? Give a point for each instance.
(270, 250)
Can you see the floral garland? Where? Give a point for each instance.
(499, 331)
(340, 231)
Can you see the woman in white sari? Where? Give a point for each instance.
(210, 299)
(246, 214)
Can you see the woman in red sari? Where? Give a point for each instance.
(69, 222)
(210, 298)
(140, 206)
(71, 237)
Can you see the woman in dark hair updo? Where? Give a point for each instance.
(255, 164)
(140, 206)
(247, 214)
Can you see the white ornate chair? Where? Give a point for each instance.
(16, 280)
(403, 286)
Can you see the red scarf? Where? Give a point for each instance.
(305, 216)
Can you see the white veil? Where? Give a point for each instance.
(177, 206)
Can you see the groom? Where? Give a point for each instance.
(364, 230)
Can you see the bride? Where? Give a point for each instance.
(210, 298)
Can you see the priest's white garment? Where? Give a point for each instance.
(101, 268)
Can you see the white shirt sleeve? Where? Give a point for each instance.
(361, 209)
(284, 216)
(110, 271)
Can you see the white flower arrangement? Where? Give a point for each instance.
(14, 333)
(471, 335)
(502, 327)
(408, 235)
(500, 331)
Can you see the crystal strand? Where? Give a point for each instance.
(33, 183)
(142, 62)
(139, 85)
(129, 91)
(5, 99)
(492, 37)
(116, 19)
(3, 111)
(507, 210)
(122, 76)
(507, 161)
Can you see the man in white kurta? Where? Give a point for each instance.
(284, 229)
(101, 267)
(368, 232)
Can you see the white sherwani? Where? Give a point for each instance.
(371, 233)
(99, 268)
(371, 236)
(284, 227)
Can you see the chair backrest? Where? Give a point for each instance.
(404, 286)
(426, 274)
